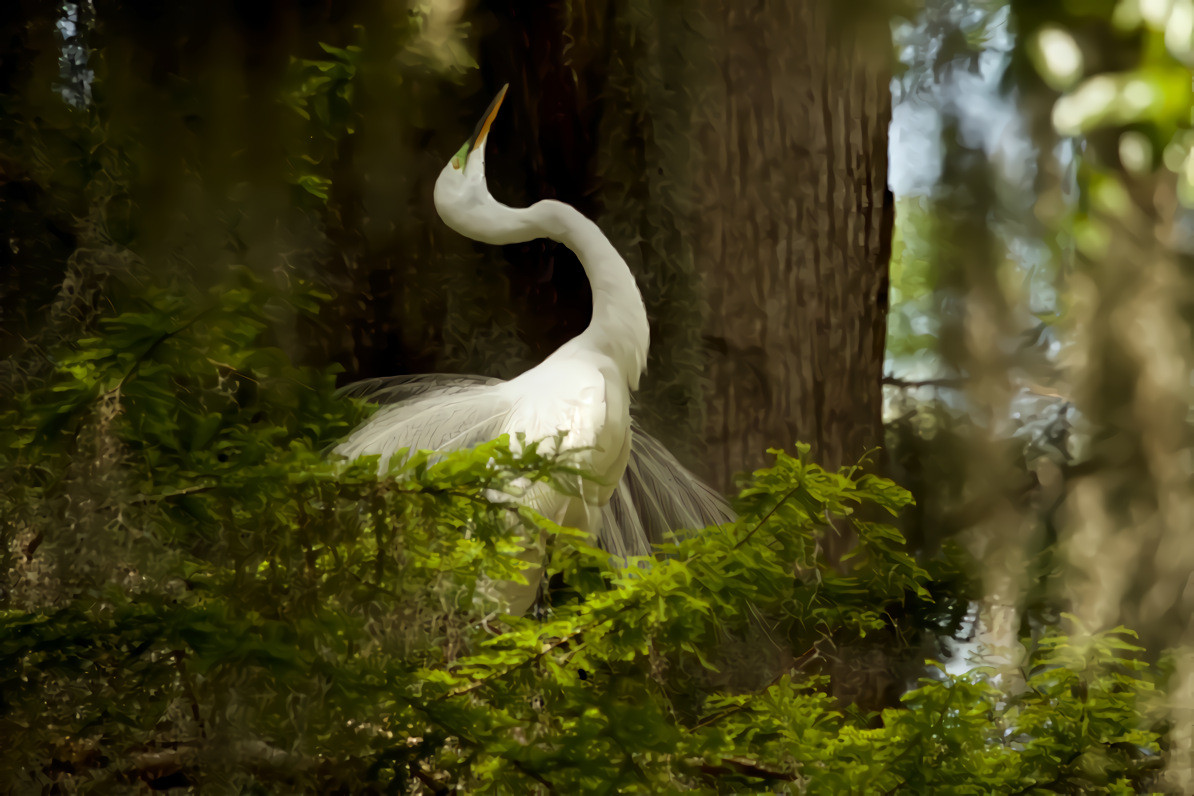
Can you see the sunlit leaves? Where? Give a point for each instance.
(1160, 94)
(913, 321)
(1143, 92)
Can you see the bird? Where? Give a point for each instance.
(575, 403)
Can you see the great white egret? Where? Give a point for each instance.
(637, 490)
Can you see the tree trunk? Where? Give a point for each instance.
(795, 234)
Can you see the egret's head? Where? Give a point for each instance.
(461, 184)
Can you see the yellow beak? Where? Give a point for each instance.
(487, 120)
(482, 130)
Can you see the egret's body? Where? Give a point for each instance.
(582, 390)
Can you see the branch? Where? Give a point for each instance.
(535, 775)
(161, 496)
(787, 496)
(904, 384)
(745, 768)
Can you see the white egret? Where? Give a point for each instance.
(637, 491)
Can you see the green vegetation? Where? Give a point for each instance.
(194, 591)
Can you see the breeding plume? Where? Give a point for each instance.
(637, 491)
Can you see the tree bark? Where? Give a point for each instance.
(795, 234)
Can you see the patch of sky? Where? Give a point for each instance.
(74, 74)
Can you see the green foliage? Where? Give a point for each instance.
(195, 591)
(321, 92)
(914, 319)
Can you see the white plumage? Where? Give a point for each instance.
(638, 491)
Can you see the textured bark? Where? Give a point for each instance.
(655, 65)
(796, 234)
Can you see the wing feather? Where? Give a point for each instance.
(393, 389)
(435, 417)
(655, 496)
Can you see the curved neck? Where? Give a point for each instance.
(619, 327)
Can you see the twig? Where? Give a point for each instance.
(952, 381)
(427, 779)
(787, 496)
(747, 768)
(161, 496)
(535, 775)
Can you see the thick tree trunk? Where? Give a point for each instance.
(795, 234)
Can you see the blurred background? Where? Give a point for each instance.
(954, 237)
